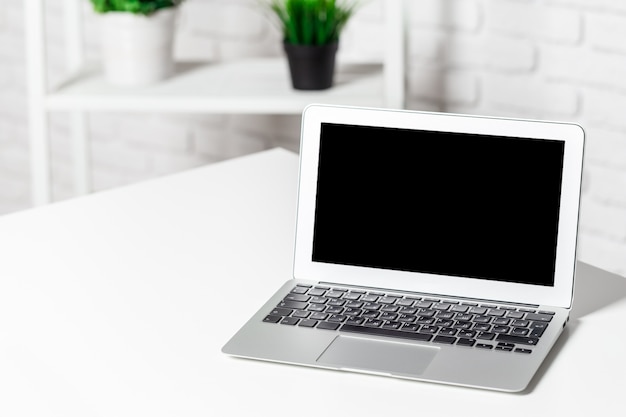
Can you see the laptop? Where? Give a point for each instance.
(429, 246)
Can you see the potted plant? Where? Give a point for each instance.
(137, 39)
(311, 30)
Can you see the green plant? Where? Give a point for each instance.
(145, 7)
(312, 22)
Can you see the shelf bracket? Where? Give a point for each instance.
(394, 58)
(40, 166)
(75, 59)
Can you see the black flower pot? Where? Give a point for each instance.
(311, 67)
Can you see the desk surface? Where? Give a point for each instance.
(113, 305)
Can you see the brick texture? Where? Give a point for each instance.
(547, 59)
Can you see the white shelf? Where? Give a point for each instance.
(260, 86)
(256, 86)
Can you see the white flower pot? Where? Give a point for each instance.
(137, 49)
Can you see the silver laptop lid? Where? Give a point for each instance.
(445, 204)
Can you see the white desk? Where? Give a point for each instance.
(113, 305)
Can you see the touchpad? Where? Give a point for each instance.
(377, 355)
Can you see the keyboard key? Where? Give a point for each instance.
(478, 310)
(319, 316)
(537, 332)
(468, 334)
(447, 331)
(334, 294)
(465, 342)
(373, 323)
(426, 313)
(407, 318)
(538, 317)
(520, 340)
(482, 327)
(429, 329)
(444, 323)
(289, 321)
(337, 318)
(307, 323)
(370, 314)
(354, 304)
(296, 305)
(392, 325)
(448, 340)
(484, 346)
(272, 319)
(352, 311)
(459, 308)
(463, 325)
(405, 302)
(425, 320)
(389, 308)
(388, 316)
(521, 350)
(486, 335)
(515, 315)
(407, 327)
(328, 326)
(500, 329)
(355, 320)
(301, 314)
(297, 297)
(482, 319)
(281, 311)
(299, 290)
(352, 296)
(388, 300)
(386, 332)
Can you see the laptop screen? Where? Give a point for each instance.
(465, 205)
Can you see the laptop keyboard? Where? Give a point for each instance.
(427, 319)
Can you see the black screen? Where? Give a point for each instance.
(442, 203)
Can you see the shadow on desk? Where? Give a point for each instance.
(594, 290)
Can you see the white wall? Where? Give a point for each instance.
(548, 59)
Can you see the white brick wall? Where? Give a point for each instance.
(549, 59)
